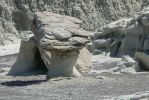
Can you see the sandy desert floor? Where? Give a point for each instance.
(101, 86)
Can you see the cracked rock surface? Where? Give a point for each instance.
(53, 31)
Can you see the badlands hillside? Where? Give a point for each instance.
(16, 15)
(74, 50)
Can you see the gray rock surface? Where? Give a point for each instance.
(143, 60)
(16, 15)
(28, 60)
(105, 64)
(84, 61)
(59, 52)
(127, 35)
(47, 24)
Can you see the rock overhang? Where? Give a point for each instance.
(53, 31)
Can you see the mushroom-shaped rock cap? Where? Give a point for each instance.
(54, 31)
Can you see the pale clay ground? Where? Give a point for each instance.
(99, 86)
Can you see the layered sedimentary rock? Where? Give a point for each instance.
(125, 36)
(16, 15)
(58, 39)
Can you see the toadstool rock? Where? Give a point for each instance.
(59, 40)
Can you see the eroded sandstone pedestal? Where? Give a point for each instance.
(58, 39)
(59, 63)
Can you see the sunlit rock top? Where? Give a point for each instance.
(53, 31)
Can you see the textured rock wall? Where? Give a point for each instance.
(7, 26)
(125, 36)
(16, 15)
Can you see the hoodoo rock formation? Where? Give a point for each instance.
(55, 46)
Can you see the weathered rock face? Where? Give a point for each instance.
(53, 31)
(7, 26)
(58, 39)
(126, 36)
(143, 60)
(84, 61)
(29, 60)
(16, 15)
